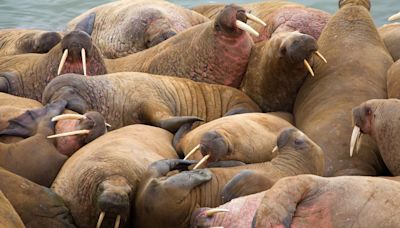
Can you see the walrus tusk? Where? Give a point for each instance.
(68, 117)
(354, 138)
(275, 149)
(62, 62)
(255, 19)
(201, 162)
(394, 17)
(307, 65)
(321, 56)
(83, 53)
(101, 217)
(245, 27)
(78, 132)
(191, 152)
(117, 221)
(212, 212)
(108, 125)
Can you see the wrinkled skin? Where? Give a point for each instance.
(8, 215)
(214, 52)
(125, 27)
(279, 16)
(20, 41)
(390, 34)
(356, 72)
(393, 80)
(36, 205)
(103, 176)
(248, 138)
(160, 193)
(276, 70)
(130, 98)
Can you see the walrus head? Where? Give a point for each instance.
(365, 3)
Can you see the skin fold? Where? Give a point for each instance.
(393, 82)
(390, 34)
(8, 215)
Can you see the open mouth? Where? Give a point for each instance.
(75, 67)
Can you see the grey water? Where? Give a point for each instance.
(55, 14)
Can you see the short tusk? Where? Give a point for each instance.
(245, 27)
(275, 149)
(394, 17)
(307, 65)
(201, 161)
(68, 117)
(78, 132)
(354, 138)
(321, 56)
(255, 19)
(101, 217)
(108, 125)
(83, 52)
(62, 62)
(212, 212)
(117, 221)
(192, 152)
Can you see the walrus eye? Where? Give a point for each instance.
(368, 111)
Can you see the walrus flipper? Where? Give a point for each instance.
(87, 24)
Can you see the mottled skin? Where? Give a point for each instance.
(20, 41)
(276, 70)
(213, 52)
(182, 193)
(129, 98)
(129, 26)
(390, 34)
(279, 16)
(393, 80)
(103, 175)
(356, 72)
(27, 75)
(312, 201)
(247, 138)
(37, 206)
(8, 215)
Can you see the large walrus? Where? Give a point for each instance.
(20, 41)
(124, 27)
(358, 63)
(8, 215)
(129, 98)
(101, 179)
(165, 200)
(390, 34)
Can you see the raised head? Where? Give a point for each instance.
(365, 3)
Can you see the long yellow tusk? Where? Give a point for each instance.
(68, 117)
(201, 162)
(83, 53)
(245, 27)
(78, 132)
(192, 152)
(275, 149)
(394, 17)
(211, 212)
(101, 217)
(62, 62)
(117, 221)
(354, 138)
(255, 19)
(307, 65)
(321, 56)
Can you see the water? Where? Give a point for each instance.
(55, 14)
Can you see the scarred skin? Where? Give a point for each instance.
(356, 71)
(390, 34)
(129, 26)
(36, 205)
(393, 80)
(103, 176)
(160, 193)
(279, 16)
(20, 41)
(130, 98)
(8, 215)
(213, 52)
(248, 138)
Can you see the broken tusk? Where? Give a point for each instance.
(212, 212)
(201, 162)
(321, 56)
(68, 117)
(117, 221)
(245, 27)
(101, 217)
(78, 132)
(354, 138)
(275, 149)
(83, 53)
(255, 19)
(62, 62)
(394, 17)
(307, 65)
(191, 152)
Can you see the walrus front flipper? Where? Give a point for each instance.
(9, 80)
(87, 24)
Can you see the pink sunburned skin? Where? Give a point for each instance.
(69, 144)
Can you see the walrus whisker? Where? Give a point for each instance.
(321, 56)
(214, 211)
(83, 53)
(354, 138)
(201, 161)
(245, 27)
(101, 217)
(62, 62)
(307, 65)
(255, 19)
(275, 149)
(68, 117)
(192, 152)
(394, 17)
(117, 221)
(78, 132)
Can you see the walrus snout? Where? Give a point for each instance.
(362, 118)
(212, 143)
(298, 47)
(75, 41)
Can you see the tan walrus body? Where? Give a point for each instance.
(8, 215)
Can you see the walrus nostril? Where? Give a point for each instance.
(114, 202)
(214, 144)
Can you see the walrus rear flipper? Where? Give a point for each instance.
(9, 80)
(174, 123)
(87, 24)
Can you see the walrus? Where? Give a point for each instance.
(390, 34)
(130, 98)
(394, 17)
(8, 215)
(101, 179)
(215, 52)
(393, 80)
(21, 41)
(356, 72)
(161, 193)
(124, 27)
